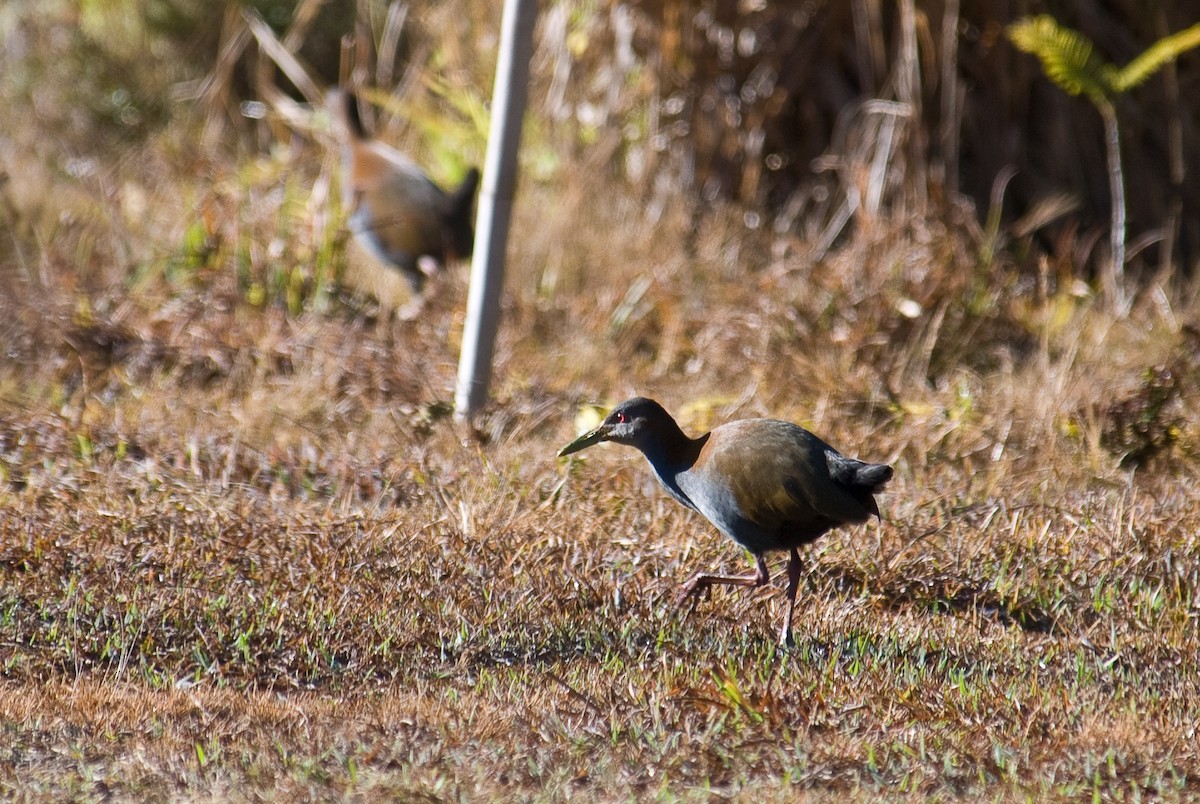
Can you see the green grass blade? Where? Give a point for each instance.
(1164, 50)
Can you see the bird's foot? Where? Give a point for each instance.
(702, 582)
(698, 584)
(429, 266)
(412, 310)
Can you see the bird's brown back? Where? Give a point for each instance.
(780, 480)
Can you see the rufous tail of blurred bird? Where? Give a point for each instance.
(766, 484)
(395, 210)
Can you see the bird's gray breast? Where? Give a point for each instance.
(718, 504)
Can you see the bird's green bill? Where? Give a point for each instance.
(585, 441)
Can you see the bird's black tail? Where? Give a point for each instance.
(872, 476)
(351, 116)
(861, 479)
(460, 220)
(856, 473)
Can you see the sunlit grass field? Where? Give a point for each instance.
(247, 552)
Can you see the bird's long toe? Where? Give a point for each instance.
(696, 585)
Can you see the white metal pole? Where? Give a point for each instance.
(495, 206)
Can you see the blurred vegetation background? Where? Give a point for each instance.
(895, 178)
(785, 110)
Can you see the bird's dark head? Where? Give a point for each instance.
(637, 422)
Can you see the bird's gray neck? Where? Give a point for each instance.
(670, 456)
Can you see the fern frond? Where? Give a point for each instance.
(1155, 56)
(1068, 57)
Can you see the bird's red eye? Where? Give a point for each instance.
(620, 417)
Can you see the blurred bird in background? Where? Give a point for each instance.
(396, 212)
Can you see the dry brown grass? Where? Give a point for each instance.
(246, 553)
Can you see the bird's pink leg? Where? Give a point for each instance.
(700, 581)
(794, 565)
